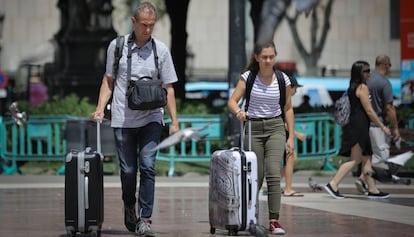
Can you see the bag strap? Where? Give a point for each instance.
(249, 86)
(282, 89)
(119, 46)
(154, 50)
(117, 56)
(131, 40)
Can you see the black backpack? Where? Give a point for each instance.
(342, 110)
(117, 56)
(282, 88)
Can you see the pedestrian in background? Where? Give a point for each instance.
(382, 99)
(289, 161)
(356, 142)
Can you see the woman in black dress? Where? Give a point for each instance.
(355, 135)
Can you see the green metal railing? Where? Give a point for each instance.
(323, 139)
(42, 139)
(200, 150)
(411, 121)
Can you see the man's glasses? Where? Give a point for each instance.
(387, 64)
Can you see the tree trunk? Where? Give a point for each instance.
(271, 14)
(255, 10)
(312, 56)
(177, 11)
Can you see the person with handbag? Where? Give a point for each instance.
(138, 126)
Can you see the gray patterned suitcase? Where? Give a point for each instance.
(233, 190)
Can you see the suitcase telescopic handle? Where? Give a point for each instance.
(98, 134)
(249, 134)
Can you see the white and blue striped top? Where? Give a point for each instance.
(264, 100)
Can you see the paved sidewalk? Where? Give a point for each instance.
(34, 206)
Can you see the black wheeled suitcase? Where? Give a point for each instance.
(233, 193)
(84, 190)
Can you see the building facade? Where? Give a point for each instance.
(360, 29)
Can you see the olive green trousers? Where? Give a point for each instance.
(268, 139)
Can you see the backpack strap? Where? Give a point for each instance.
(282, 88)
(115, 66)
(154, 50)
(131, 40)
(249, 87)
(117, 56)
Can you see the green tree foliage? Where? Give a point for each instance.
(69, 105)
(75, 106)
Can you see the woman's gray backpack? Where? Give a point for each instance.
(342, 110)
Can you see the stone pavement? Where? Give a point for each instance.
(34, 206)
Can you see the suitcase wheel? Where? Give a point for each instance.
(212, 230)
(95, 233)
(232, 233)
(70, 233)
(406, 181)
(258, 230)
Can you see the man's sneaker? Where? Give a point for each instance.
(361, 186)
(130, 218)
(378, 195)
(334, 194)
(144, 228)
(276, 229)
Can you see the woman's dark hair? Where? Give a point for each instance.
(357, 74)
(253, 65)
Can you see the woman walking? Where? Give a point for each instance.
(356, 142)
(268, 136)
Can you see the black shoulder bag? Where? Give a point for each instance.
(145, 93)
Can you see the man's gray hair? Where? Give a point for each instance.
(145, 7)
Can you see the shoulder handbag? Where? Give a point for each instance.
(145, 93)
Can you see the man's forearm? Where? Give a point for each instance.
(392, 116)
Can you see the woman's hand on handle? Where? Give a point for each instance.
(241, 116)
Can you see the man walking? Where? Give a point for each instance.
(137, 132)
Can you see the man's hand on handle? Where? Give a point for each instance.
(97, 116)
